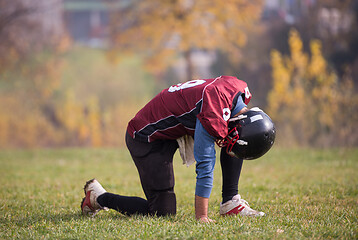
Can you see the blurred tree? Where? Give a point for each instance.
(308, 102)
(162, 29)
(338, 25)
(24, 29)
(29, 45)
(335, 24)
(30, 70)
(11, 15)
(94, 121)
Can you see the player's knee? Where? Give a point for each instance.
(163, 204)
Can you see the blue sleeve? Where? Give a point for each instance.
(205, 156)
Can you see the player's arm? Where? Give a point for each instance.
(239, 108)
(201, 209)
(204, 153)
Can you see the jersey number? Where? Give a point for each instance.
(189, 84)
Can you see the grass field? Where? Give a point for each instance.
(305, 194)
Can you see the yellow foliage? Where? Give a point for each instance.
(21, 127)
(94, 120)
(298, 58)
(71, 113)
(281, 84)
(180, 26)
(306, 97)
(318, 63)
(82, 122)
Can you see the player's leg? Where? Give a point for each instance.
(157, 177)
(124, 204)
(97, 198)
(154, 162)
(231, 170)
(232, 202)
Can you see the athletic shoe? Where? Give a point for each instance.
(89, 205)
(238, 206)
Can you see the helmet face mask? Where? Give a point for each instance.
(251, 135)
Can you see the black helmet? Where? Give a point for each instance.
(251, 135)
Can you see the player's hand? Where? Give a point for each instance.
(206, 220)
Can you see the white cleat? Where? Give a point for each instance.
(89, 205)
(238, 206)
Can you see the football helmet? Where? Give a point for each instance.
(250, 136)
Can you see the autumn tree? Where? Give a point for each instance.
(334, 23)
(163, 29)
(24, 30)
(308, 102)
(29, 70)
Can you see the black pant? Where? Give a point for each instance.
(231, 170)
(154, 162)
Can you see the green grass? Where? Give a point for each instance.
(305, 193)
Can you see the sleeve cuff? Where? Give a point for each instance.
(202, 190)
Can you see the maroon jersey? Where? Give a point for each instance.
(173, 112)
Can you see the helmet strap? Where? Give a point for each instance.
(230, 141)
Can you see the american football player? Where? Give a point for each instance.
(191, 116)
